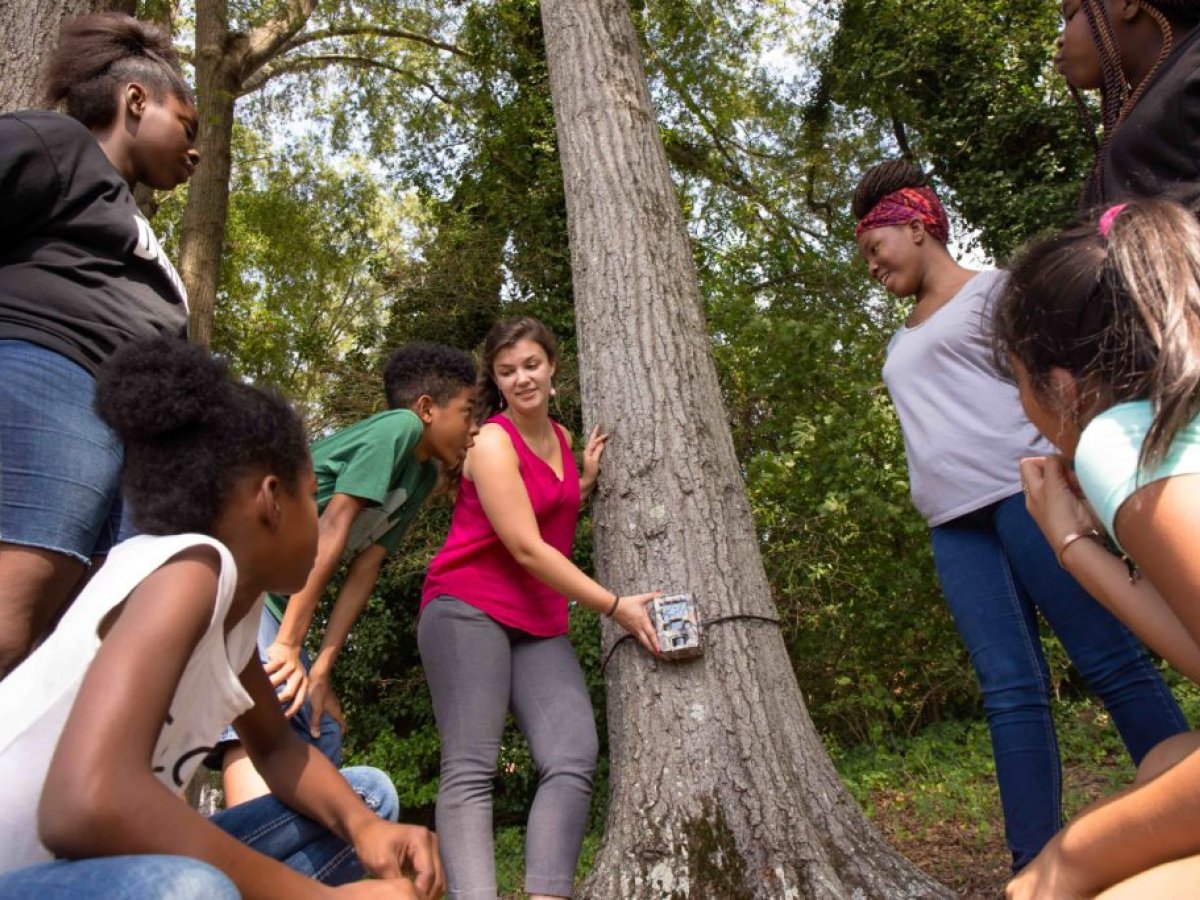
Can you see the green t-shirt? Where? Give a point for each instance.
(373, 459)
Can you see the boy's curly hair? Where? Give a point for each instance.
(423, 367)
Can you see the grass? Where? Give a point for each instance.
(934, 796)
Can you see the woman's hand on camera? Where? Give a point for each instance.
(632, 615)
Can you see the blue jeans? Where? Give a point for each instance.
(264, 824)
(998, 573)
(60, 466)
(276, 831)
(330, 741)
(119, 878)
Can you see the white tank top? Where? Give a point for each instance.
(36, 698)
(964, 428)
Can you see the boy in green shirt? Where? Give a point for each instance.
(372, 477)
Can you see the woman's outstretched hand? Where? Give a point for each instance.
(631, 615)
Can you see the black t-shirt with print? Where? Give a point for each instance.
(1156, 150)
(81, 271)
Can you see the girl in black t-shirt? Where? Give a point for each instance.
(1144, 58)
(81, 274)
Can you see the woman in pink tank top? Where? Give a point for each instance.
(493, 625)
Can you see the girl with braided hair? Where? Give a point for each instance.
(81, 274)
(1101, 324)
(964, 435)
(1144, 57)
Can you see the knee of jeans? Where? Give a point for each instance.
(181, 878)
(376, 790)
(1122, 670)
(1016, 696)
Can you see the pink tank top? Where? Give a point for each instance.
(474, 565)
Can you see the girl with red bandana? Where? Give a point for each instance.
(964, 434)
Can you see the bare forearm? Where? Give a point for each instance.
(1135, 830)
(549, 566)
(586, 486)
(1138, 604)
(300, 607)
(351, 600)
(333, 531)
(303, 779)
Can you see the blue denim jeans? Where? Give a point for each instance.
(998, 573)
(119, 878)
(300, 843)
(264, 824)
(60, 466)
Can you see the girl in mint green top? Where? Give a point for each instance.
(1106, 459)
(1102, 327)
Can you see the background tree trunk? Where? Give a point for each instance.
(219, 58)
(719, 784)
(28, 32)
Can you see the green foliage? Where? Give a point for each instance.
(968, 89)
(306, 243)
(499, 235)
(934, 795)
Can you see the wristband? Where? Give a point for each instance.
(1074, 536)
(612, 609)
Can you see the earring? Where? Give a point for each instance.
(553, 392)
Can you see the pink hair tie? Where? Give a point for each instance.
(1106, 219)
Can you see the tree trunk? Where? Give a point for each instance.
(28, 32)
(219, 58)
(720, 787)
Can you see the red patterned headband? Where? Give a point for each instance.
(904, 205)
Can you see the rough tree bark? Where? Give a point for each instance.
(28, 32)
(720, 787)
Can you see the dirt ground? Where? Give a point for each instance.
(970, 858)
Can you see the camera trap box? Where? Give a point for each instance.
(677, 621)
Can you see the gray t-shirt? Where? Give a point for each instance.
(964, 429)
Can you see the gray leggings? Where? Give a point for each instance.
(477, 671)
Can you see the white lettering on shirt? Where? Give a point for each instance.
(148, 248)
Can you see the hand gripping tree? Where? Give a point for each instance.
(720, 785)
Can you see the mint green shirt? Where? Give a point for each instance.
(1106, 460)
